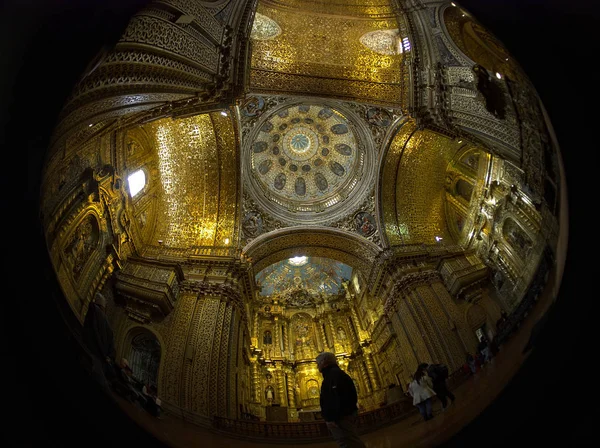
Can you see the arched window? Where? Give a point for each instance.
(136, 182)
(464, 189)
(144, 357)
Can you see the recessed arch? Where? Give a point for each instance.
(314, 241)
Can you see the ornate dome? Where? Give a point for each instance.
(306, 157)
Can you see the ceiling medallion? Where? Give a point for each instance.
(385, 42)
(264, 28)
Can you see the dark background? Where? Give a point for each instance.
(45, 48)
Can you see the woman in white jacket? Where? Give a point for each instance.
(421, 389)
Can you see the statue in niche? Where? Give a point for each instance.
(341, 334)
(269, 394)
(302, 332)
(267, 338)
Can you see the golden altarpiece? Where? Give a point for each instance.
(377, 179)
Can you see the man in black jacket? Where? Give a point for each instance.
(439, 375)
(338, 402)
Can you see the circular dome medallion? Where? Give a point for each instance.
(317, 175)
(300, 143)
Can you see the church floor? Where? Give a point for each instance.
(472, 397)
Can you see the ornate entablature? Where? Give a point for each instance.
(410, 280)
(227, 292)
(149, 289)
(463, 276)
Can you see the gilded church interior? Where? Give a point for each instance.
(373, 178)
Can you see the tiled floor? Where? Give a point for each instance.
(471, 399)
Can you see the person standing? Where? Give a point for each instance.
(421, 389)
(338, 402)
(439, 374)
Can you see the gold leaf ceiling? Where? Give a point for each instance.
(197, 167)
(356, 8)
(318, 53)
(413, 197)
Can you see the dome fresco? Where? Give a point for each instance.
(317, 276)
(304, 153)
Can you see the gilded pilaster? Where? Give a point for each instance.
(365, 376)
(282, 395)
(255, 384)
(276, 338)
(331, 330)
(323, 336)
(178, 350)
(291, 381)
(286, 341)
(372, 371)
(255, 334)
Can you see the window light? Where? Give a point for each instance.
(136, 182)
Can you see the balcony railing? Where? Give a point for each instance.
(314, 431)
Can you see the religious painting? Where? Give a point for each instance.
(378, 117)
(253, 107)
(302, 326)
(364, 223)
(252, 224)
